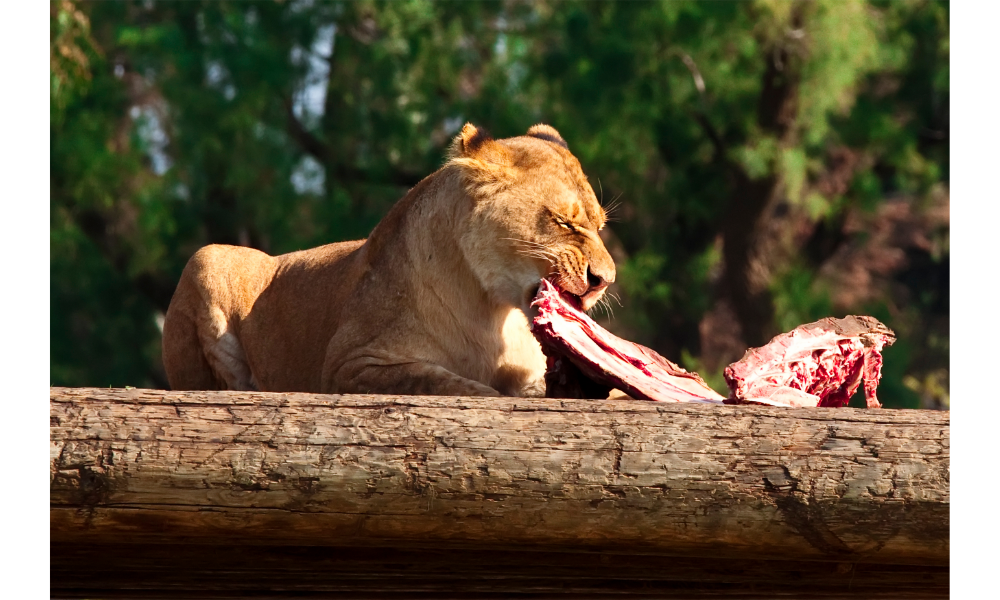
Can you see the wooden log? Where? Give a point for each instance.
(737, 495)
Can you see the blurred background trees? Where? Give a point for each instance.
(771, 162)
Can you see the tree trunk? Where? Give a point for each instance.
(749, 251)
(157, 492)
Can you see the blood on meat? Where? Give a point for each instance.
(817, 364)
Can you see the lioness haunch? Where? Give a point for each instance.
(818, 364)
(433, 302)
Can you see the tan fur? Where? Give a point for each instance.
(433, 302)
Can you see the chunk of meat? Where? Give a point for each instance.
(576, 347)
(817, 364)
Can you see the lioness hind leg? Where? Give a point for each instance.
(229, 361)
(183, 356)
(225, 352)
(208, 357)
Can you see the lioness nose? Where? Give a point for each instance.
(595, 282)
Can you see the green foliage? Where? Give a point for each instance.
(288, 124)
(797, 299)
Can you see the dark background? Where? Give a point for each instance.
(772, 162)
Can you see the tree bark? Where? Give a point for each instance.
(169, 482)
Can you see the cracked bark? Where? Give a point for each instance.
(732, 485)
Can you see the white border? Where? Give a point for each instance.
(975, 126)
(24, 115)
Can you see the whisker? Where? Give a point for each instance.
(538, 253)
(551, 264)
(541, 256)
(607, 307)
(523, 241)
(615, 202)
(531, 244)
(602, 305)
(613, 206)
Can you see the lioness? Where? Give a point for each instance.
(434, 302)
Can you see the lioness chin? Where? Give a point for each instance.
(433, 302)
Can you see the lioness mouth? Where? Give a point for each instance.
(574, 300)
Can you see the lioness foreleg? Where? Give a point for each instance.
(371, 376)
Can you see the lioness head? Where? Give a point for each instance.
(534, 216)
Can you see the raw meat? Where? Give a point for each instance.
(586, 361)
(818, 364)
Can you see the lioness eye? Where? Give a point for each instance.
(563, 224)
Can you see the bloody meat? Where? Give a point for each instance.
(818, 364)
(586, 361)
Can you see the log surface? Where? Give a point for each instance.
(716, 485)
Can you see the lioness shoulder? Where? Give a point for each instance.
(435, 301)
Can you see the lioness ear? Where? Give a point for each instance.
(547, 133)
(475, 143)
(487, 164)
(468, 140)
